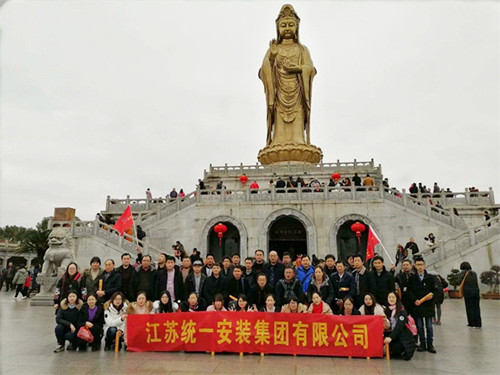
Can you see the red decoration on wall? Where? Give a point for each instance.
(220, 229)
(357, 228)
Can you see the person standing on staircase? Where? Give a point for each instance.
(411, 245)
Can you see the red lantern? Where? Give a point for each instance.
(336, 176)
(358, 227)
(243, 180)
(220, 229)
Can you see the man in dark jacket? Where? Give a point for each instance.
(215, 284)
(287, 287)
(381, 281)
(111, 282)
(248, 273)
(423, 285)
(330, 268)
(275, 270)
(402, 281)
(237, 285)
(361, 284)
(9, 276)
(259, 265)
(170, 278)
(195, 282)
(412, 245)
(126, 272)
(259, 291)
(144, 279)
(207, 268)
(343, 285)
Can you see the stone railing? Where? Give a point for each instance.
(337, 194)
(466, 198)
(462, 241)
(291, 168)
(104, 231)
(143, 207)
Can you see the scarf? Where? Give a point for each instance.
(318, 309)
(393, 316)
(193, 307)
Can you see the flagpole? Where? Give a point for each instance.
(134, 229)
(381, 244)
(383, 247)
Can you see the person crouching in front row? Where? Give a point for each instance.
(67, 321)
(115, 315)
(401, 341)
(91, 316)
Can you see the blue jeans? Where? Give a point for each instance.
(64, 333)
(419, 321)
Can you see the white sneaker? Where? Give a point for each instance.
(23, 297)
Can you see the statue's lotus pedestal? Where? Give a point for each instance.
(290, 152)
(47, 290)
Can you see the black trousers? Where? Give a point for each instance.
(20, 289)
(97, 333)
(473, 311)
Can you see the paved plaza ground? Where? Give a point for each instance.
(27, 341)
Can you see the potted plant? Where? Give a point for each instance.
(454, 280)
(492, 279)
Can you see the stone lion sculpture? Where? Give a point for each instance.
(59, 254)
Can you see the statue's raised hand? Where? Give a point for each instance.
(273, 49)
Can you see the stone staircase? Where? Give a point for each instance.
(462, 244)
(106, 235)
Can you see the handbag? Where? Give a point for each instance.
(85, 334)
(412, 326)
(461, 287)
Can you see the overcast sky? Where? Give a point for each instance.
(111, 97)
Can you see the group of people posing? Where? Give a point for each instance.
(191, 284)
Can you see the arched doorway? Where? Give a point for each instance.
(287, 233)
(347, 242)
(230, 241)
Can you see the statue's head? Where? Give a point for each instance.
(287, 24)
(59, 237)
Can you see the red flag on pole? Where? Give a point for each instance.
(125, 221)
(373, 240)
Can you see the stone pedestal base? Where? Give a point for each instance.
(290, 152)
(47, 290)
(42, 300)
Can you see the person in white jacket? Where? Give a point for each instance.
(115, 318)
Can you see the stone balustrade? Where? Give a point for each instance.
(292, 169)
(306, 194)
(447, 199)
(447, 247)
(104, 231)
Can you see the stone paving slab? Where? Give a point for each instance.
(27, 341)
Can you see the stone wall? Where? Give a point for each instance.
(393, 223)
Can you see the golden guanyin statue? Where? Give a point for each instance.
(287, 73)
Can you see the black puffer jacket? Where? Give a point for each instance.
(402, 334)
(67, 316)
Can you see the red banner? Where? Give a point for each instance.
(256, 332)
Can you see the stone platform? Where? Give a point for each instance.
(27, 341)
